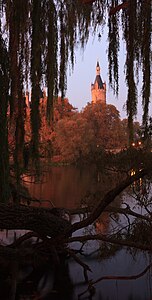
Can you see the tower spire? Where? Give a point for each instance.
(98, 68)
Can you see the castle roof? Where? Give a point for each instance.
(99, 81)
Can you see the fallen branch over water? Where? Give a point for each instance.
(132, 277)
(107, 199)
(53, 234)
(37, 219)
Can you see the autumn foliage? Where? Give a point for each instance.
(79, 136)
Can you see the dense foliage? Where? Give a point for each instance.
(97, 128)
(80, 137)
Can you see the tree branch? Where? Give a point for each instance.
(115, 9)
(111, 209)
(81, 263)
(126, 211)
(37, 219)
(133, 277)
(111, 240)
(108, 198)
(23, 238)
(87, 1)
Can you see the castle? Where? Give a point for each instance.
(98, 88)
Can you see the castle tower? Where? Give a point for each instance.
(98, 88)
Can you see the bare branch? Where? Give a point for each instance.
(87, 1)
(111, 209)
(126, 211)
(81, 263)
(133, 277)
(108, 198)
(123, 5)
(23, 238)
(110, 239)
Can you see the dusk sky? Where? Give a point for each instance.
(79, 81)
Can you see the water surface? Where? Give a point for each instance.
(67, 187)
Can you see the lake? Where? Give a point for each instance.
(68, 186)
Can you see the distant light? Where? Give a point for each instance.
(133, 144)
(132, 172)
(139, 143)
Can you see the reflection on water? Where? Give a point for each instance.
(103, 223)
(66, 187)
(122, 263)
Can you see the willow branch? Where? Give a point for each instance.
(126, 211)
(81, 263)
(111, 240)
(133, 277)
(111, 209)
(123, 5)
(25, 237)
(107, 199)
(87, 1)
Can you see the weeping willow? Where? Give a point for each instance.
(39, 38)
(4, 86)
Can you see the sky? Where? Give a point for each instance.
(79, 81)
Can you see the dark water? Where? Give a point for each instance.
(67, 187)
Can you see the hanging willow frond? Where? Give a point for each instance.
(4, 87)
(36, 75)
(63, 51)
(14, 26)
(146, 64)
(113, 25)
(130, 60)
(52, 54)
(71, 32)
